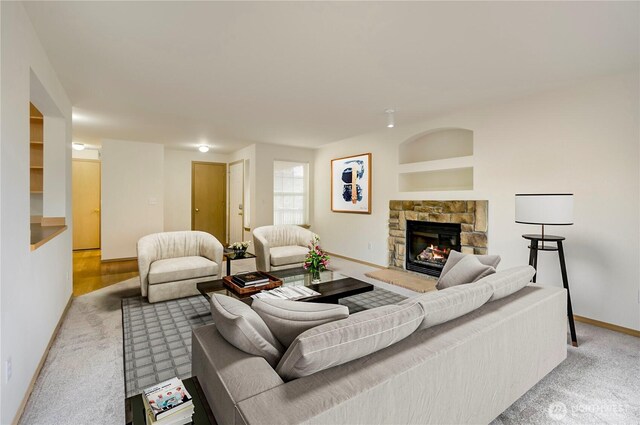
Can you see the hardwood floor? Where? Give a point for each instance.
(90, 273)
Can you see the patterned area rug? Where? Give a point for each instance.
(157, 337)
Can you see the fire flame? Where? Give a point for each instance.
(436, 256)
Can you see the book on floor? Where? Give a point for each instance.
(249, 279)
(167, 398)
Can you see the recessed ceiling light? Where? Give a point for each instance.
(78, 146)
(203, 148)
(391, 122)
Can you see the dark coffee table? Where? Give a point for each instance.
(332, 286)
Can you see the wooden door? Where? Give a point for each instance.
(209, 199)
(236, 190)
(86, 203)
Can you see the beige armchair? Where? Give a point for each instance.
(172, 263)
(281, 247)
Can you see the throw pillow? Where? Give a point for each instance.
(507, 282)
(466, 270)
(339, 342)
(455, 256)
(288, 319)
(451, 303)
(244, 329)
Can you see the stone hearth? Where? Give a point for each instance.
(472, 215)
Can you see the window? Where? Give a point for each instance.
(290, 192)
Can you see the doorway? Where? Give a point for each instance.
(86, 203)
(209, 198)
(236, 195)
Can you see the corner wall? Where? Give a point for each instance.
(583, 140)
(35, 286)
(132, 195)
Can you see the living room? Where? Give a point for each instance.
(447, 101)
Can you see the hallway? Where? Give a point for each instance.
(90, 273)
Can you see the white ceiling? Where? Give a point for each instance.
(306, 74)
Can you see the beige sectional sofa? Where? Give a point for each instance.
(465, 370)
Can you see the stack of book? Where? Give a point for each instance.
(250, 280)
(168, 403)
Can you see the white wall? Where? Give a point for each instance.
(132, 195)
(177, 185)
(86, 154)
(34, 285)
(583, 140)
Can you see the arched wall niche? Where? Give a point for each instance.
(437, 144)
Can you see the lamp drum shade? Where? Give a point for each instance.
(554, 209)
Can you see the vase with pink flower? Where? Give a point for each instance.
(316, 261)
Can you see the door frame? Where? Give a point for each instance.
(193, 193)
(99, 206)
(240, 161)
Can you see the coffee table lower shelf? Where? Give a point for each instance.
(135, 414)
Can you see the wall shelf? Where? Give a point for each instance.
(438, 160)
(36, 160)
(439, 180)
(439, 164)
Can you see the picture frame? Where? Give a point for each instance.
(343, 196)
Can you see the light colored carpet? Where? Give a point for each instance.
(404, 280)
(82, 379)
(598, 383)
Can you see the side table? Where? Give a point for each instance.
(135, 414)
(230, 255)
(533, 261)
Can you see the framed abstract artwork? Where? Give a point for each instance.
(351, 184)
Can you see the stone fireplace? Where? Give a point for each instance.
(422, 233)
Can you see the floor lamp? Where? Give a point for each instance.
(555, 209)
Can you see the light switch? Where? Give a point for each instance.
(153, 201)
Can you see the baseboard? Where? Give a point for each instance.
(377, 266)
(606, 325)
(27, 394)
(115, 260)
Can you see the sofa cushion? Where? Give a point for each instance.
(348, 339)
(288, 319)
(506, 282)
(455, 256)
(450, 303)
(283, 255)
(467, 270)
(244, 329)
(181, 268)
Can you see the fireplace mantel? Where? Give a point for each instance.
(472, 216)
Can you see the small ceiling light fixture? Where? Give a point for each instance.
(203, 148)
(78, 146)
(391, 121)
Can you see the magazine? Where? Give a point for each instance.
(287, 293)
(167, 397)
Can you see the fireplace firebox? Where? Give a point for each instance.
(428, 245)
